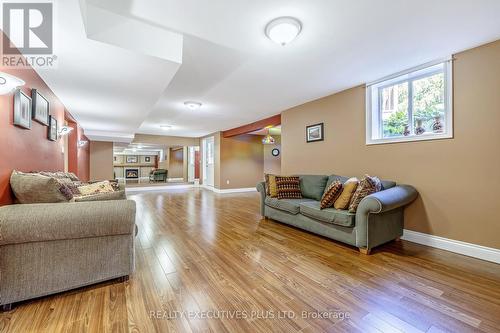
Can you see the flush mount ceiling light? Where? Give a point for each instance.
(165, 127)
(283, 30)
(192, 105)
(9, 83)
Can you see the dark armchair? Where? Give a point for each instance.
(158, 175)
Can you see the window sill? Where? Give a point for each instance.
(413, 138)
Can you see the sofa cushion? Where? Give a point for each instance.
(32, 188)
(288, 187)
(116, 195)
(95, 188)
(313, 186)
(367, 186)
(287, 205)
(348, 190)
(271, 188)
(333, 178)
(328, 215)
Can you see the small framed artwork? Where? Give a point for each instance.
(314, 133)
(40, 108)
(22, 110)
(147, 159)
(52, 129)
(131, 159)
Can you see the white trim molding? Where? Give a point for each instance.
(468, 249)
(229, 190)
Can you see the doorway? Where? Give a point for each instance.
(208, 161)
(193, 163)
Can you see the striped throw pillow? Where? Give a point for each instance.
(367, 186)
(331, 194)
(288, 187)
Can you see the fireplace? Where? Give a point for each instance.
(131, 173)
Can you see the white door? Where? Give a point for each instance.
(208, 161)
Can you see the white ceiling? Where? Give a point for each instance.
(133, 85)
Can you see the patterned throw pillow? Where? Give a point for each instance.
(271, 189)
(36, 188)
(348, 190)
(100, 187)
(367, 186)
(288, 187)
(331, 194)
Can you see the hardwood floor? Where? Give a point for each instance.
(203, 254)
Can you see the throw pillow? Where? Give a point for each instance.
(32, 188)
(331, 194)
(271, 189)
(99, 187)
(348, 190)
(117, 195)
(288, 187)
(367, 186)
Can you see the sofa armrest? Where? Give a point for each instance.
(261, 187)
(383, 201)
(380, 218)
(59, 221)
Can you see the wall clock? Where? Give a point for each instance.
(275, 152)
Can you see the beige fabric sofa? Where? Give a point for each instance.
(49, 248)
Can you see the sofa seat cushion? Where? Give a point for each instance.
(328, 215)
(287, 205)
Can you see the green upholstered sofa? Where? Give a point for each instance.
(158, 175)
(378, 219)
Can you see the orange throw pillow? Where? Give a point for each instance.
(348, 190)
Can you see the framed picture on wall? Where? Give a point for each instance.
(147, 159)
(22, 109)
(52, 129)
(314, 133)
(40, 108)
(131, 159)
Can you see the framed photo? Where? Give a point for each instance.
(22, 109)
(52, 129)
(40, 108)
(131, 159)
(147, 159)
(314, 133)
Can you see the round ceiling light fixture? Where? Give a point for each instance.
(192, 105)
(283, 30)
(166, 127)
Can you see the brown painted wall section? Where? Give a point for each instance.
(458, 179)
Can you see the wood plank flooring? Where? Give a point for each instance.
(206, 262)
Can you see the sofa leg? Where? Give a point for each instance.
(364, 250)
(6, 307)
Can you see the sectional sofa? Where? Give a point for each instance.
(378, 219)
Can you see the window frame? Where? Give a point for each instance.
(374, 115)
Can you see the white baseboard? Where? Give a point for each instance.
(468, 249)
(230, 190)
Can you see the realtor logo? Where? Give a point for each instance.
(29, 27)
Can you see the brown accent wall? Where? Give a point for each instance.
(241, 161)
(457, 178)
(101, 160)
(28, 150)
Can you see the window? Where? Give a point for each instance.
(410, 106)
